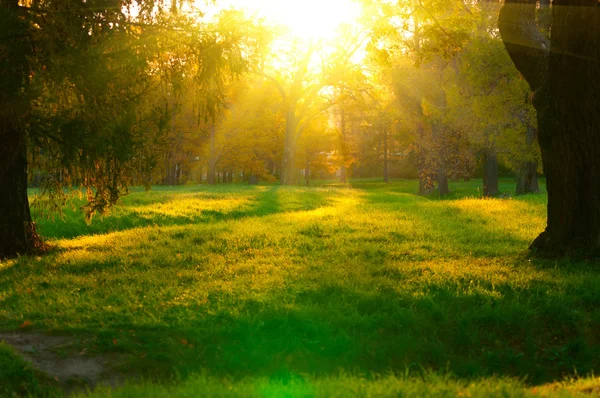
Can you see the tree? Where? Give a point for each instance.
(564, 75)
(88, 88)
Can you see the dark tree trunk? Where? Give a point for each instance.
(443, 188)
(528, 181)
(490, 174)
(230, 176)
(17, 233)
(565, 78)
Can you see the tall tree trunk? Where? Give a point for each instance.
(443, 187)
(288, 177)
(17, 233)
(343, 171)
(490, 174)
(528, 181)
(565, 79)
(425, 183)
(212, 161)
(307, 170)
(386, 173)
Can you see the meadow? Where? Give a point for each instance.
(361, 289)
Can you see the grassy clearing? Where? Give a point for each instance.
(259, 287)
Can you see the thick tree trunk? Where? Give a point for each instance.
(17, 232)
(490, 174)
(443, 188)
(570, 130)
(565, 79)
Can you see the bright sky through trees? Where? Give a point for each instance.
(308, 19)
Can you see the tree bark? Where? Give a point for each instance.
(528, 181)
(443, 188)
(565, 79)
(17, 232)
(490, 174)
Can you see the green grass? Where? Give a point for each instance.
(365, 289)
(17, 377)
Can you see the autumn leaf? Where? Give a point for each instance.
(25, 324)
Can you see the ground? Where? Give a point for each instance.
(362, 288)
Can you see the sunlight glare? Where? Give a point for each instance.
(307, 19)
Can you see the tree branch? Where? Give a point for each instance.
(525, 43)
(274, 81)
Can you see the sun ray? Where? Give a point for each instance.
(307, 19)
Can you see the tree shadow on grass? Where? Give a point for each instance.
(259, 203)
(453, 228)
(518, 331)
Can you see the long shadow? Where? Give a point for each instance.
(260, 204)
(455, 230)
(514, 331)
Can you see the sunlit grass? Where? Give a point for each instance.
(266, 282)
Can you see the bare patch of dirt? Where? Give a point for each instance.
(58, 357)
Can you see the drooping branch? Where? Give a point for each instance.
(525, 43)
(275, 82)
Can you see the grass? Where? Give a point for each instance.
(17, 377)
(365, 289)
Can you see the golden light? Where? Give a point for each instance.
(306, 19)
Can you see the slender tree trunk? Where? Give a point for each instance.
(307, 170)
(425, 184)
(565, 78)
(343, 171)
(212, 161)
(490, 174)
(288, 177)
(386, 174)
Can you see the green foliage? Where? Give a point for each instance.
(105, 83)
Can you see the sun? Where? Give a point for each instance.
(306, 19)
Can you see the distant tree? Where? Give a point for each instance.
(562, 70)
